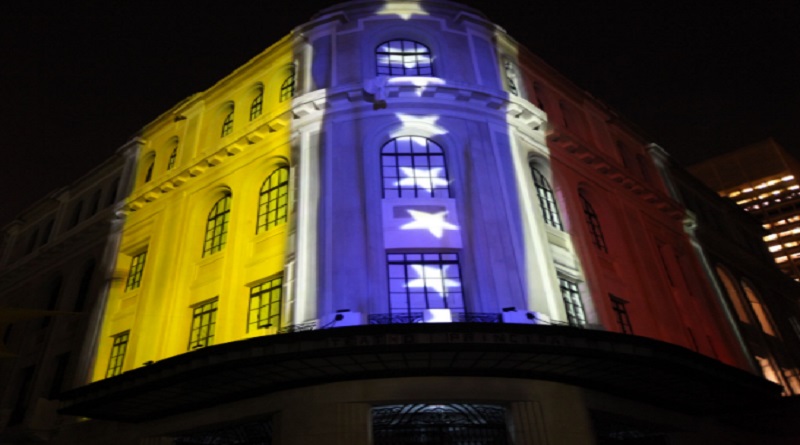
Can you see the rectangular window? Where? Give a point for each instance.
(204, 320)
(265, 305)
(419, 281)
(117, 356)
(572, 302)
(618, 306)
(136, 270)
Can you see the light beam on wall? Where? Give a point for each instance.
(432, 278)
(432, 222)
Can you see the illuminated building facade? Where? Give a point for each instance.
(763, 179)
(397, 226)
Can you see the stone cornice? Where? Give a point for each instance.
(313, 106)
(591, 157)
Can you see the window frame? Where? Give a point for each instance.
(216, 233)
(257, 105)
(422, 61)
(395, 158)
(227, 123)
(593, 222)
(116, 358)
(136, 271)
(573, 303)
(619, 306)
(273, 200)
(288, 85)
(547, 198)
(173, 156)
(400, 291)
(273, 304)
(204, 316)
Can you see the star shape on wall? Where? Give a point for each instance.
(424, 178)
(411, 121)
(433, 278)
(432, 222)
(402, 10)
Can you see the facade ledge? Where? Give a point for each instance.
(593, 159)
(640, 368)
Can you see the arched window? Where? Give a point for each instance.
(227, 124)
(593, 222)
(414, 167)
(759, 309)
(547, 200)
(734, 295)
(287, 87)
(217, 226)
(273, 201)
(149, 174)
(403, 58)
(257, 105)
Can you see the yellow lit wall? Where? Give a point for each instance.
(167, 215)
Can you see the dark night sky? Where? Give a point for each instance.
(77, 79)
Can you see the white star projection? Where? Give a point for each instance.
(424, 178)
(432, 278)
(432, 222)
(409, 120)
(402, 10)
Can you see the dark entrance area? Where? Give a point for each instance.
(440, 424)
(254, 433)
